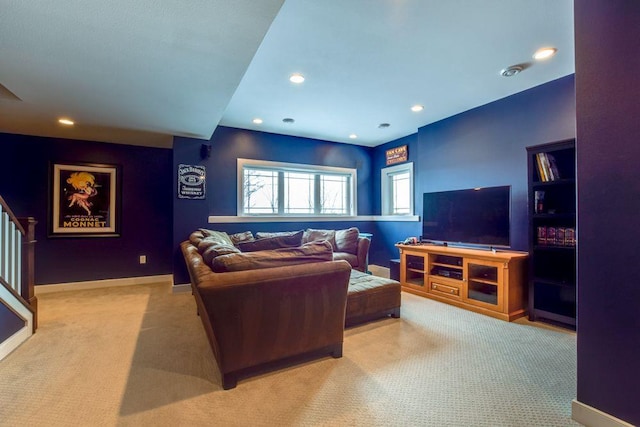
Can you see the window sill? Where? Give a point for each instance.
(374, 218)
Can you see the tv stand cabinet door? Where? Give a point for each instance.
(413, 277)
(484, 284)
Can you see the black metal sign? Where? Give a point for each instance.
(191, 182)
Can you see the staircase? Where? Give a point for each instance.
(18, 304)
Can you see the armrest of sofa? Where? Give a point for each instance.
(363, 253)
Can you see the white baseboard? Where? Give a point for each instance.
(592, 417)
(378, 270)
(107, 283)
(180, 289)
(15, 340)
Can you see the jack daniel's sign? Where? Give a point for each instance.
(191, 181)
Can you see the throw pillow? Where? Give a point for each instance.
(314, 235)
(347, 240)
(308, 253)
(268, 243)
(217, 250)
(241, 237)
(220, 236)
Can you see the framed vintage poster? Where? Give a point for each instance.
(84, 200)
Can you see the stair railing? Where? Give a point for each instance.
(17, 258)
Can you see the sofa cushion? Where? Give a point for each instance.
(241, 237)
(347, 240)
(268, 243)
(307, 253)
(263, 234)
(314, 235)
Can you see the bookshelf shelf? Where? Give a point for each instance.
(551, 282)
(565, 181)
(552, 228)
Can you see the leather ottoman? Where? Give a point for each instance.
(370, 297)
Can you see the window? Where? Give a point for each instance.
(273, 188)
(397, 190)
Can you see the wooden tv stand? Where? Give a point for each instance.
(484, 281)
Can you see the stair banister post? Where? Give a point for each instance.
(28, 265)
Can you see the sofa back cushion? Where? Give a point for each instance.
(347, 240)
(269, 243)
(307, 253)
(263, 234)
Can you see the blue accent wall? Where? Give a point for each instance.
(480, 148)
(387, 234)
(229, 144)
(608, 150)
(146, 208)
(10, 323)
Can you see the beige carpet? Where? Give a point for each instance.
(138, 356)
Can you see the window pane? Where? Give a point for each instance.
(401, 193)
(333, 195)
(298, 193)
(260, 191)
(274, 188)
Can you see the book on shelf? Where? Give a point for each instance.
(541, 169)
(560, 236)
(538, 207)
(553, 167)
(570, 236)
(547, 167)
(551, 235)
(542, 235)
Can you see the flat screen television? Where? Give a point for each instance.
(474, 216)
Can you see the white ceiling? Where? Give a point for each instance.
(139, 72)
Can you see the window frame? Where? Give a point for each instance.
(350, 173)
(387, 191)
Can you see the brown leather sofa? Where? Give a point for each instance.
(257, 319)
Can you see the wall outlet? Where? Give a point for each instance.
(143, 259)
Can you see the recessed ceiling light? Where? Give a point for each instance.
(66, 122)
(417, 108)
(545, 53)
(288, 120)
(257, 121)
(353, 136)
(296, 78)
(383, 125)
